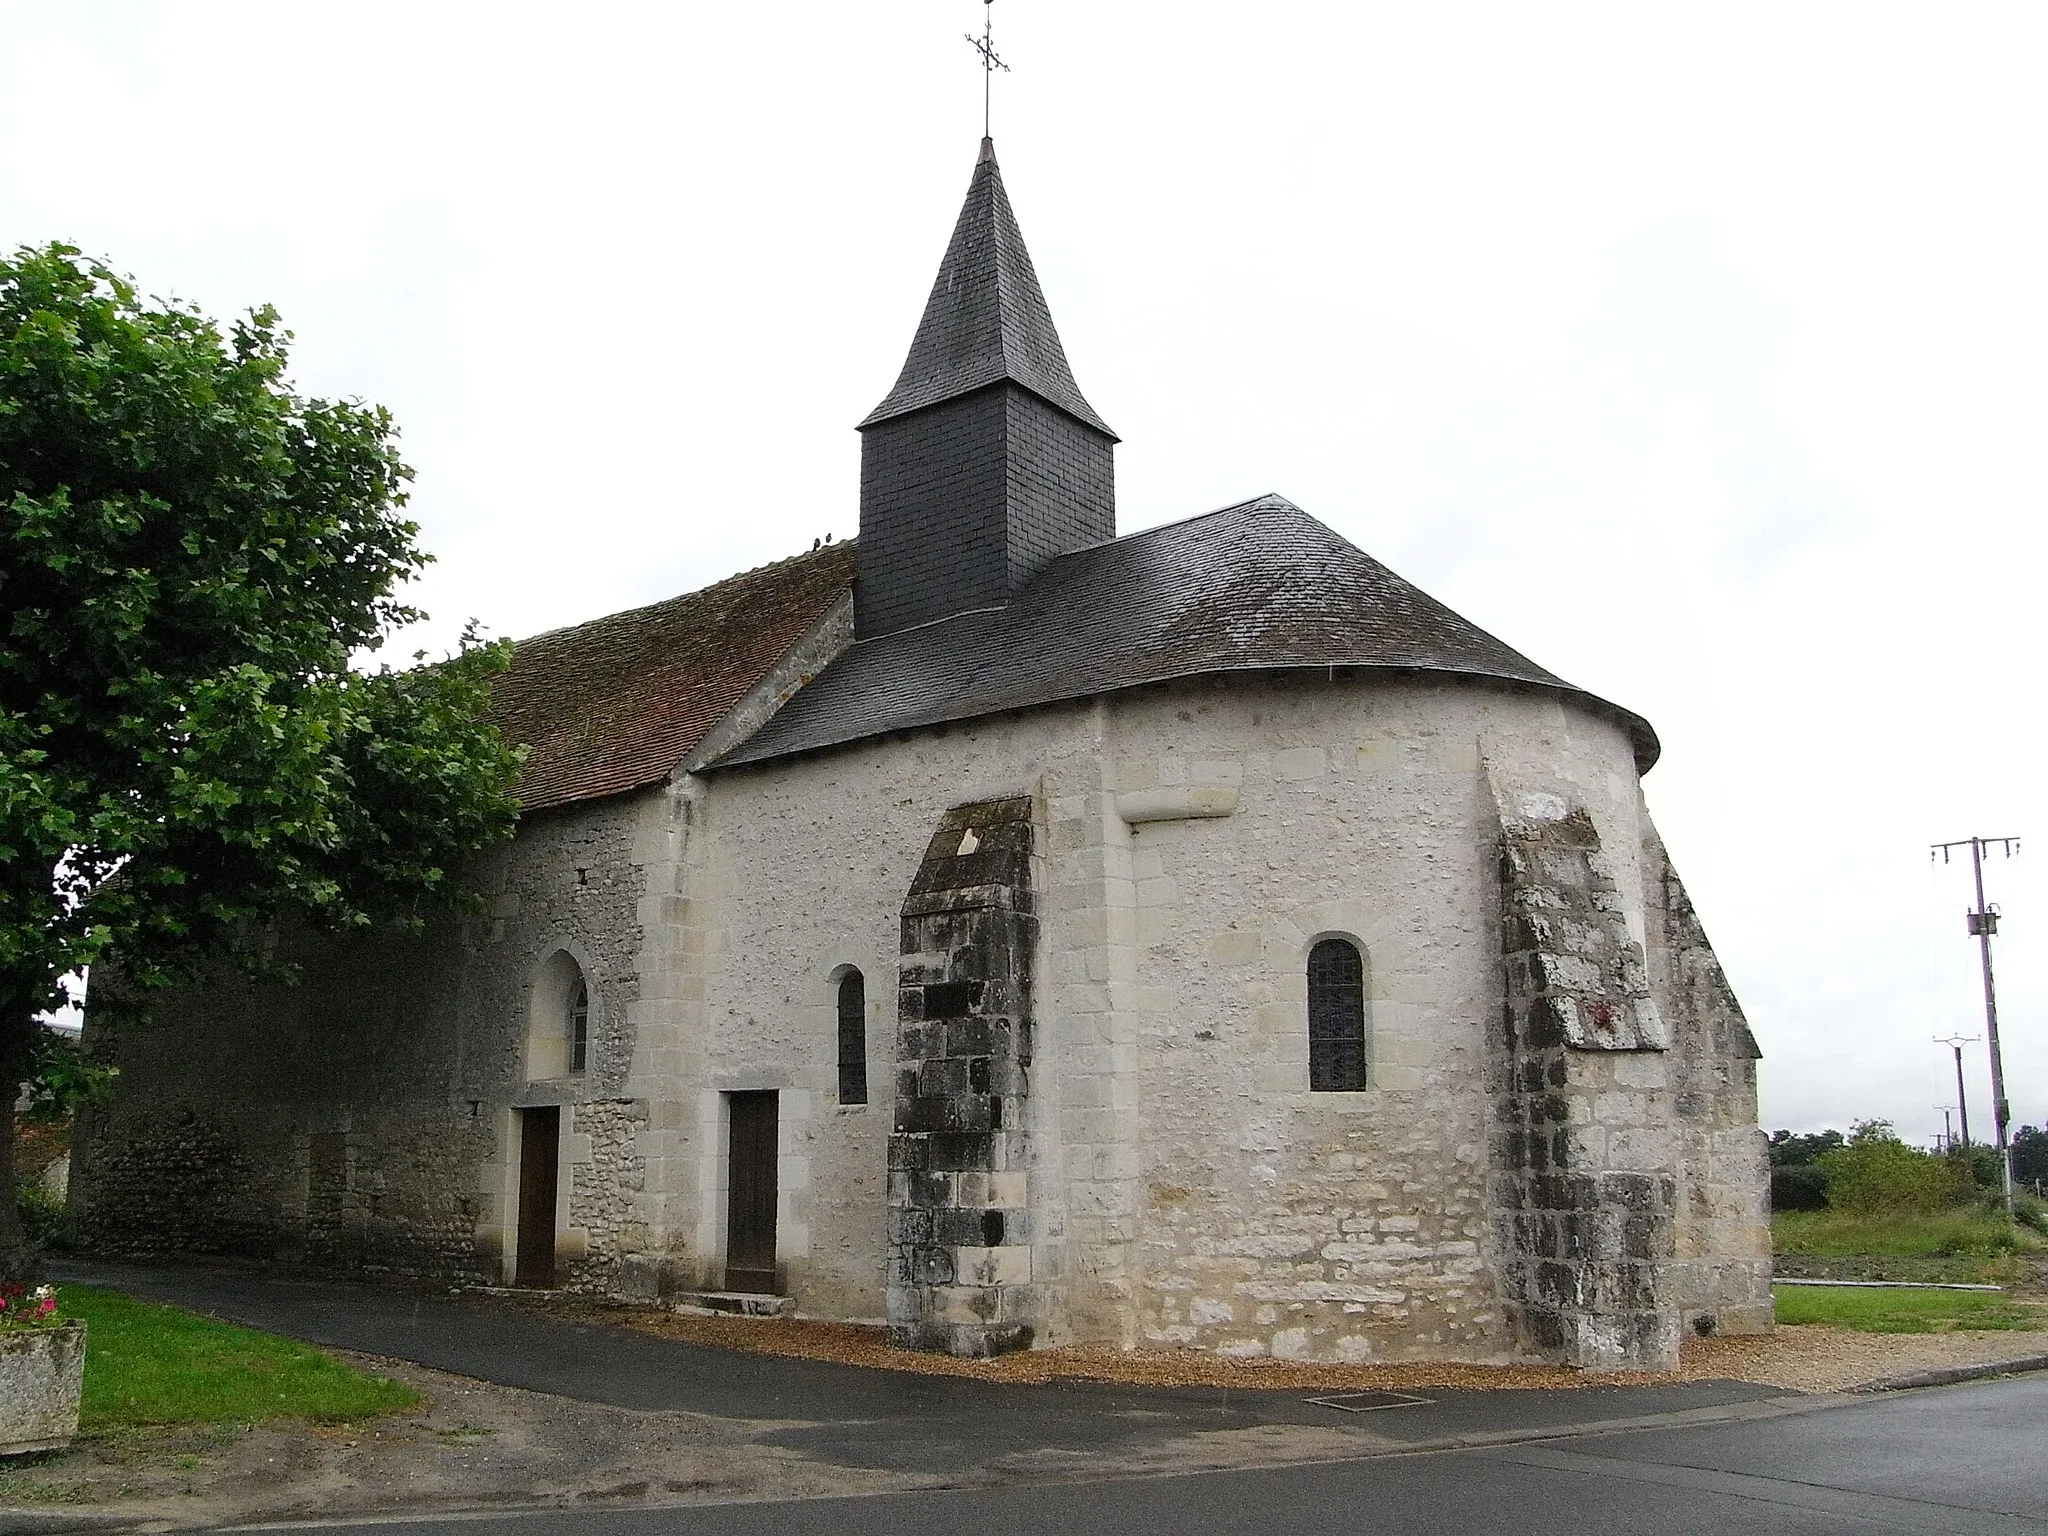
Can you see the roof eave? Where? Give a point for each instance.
(1642, 736)
(1087, 418)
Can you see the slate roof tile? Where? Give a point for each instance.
(1252, 587)
(986, 319)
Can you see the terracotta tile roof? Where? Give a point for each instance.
(1258, 586)
(616, 703)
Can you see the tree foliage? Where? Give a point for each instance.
(1875, 1171)
(62, 1080)
(190, 555)
(2030, 1155)
(1798, 1182)
(1790, 1151)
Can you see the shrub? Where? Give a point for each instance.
(1799, 1187)
(2030, 1211)
(1979, 1165)
(1875, 1171)
(41, 1212)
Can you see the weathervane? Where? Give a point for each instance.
(990, 63)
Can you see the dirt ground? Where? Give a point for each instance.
(474, 1446)
(471, 1445)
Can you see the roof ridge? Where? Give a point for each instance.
(1272, 497)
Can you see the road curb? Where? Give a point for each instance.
(1949, 1375)
(41, 1520)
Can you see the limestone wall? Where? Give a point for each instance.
(1178, 1181)
(1185, 1187)
(364, 1118)
(1269, 1218)
(1721, 1270)
(801, 870)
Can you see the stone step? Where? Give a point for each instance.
(733, 1304)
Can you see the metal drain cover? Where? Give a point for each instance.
(1369, 1402)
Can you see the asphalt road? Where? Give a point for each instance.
(934, 1425)
(1956, 1460)
(1696, 1457)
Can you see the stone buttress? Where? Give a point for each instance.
(1583, 1194)
(959, 1266)
(1721, 1277)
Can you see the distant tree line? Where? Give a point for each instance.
(1871, 1169)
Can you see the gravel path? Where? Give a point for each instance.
(1804, 1359)
(1816, 1359)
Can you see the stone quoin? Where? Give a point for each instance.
(1029, 830)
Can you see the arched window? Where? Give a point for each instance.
(558, 1019)
(579, 1025)
(1336, 1017)
(853, 1039)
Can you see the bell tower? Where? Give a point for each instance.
(984, 462)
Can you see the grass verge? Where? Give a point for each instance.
(151, 1364)
(1948, 1234)
(1903, 1311)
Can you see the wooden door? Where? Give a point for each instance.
(540, 1134)
(750, 1193)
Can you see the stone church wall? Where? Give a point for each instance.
(1184, 1186)
(801, 871)
(1177, 1182)
(363, 1118)
(1266, 1218)
(1721, 1268)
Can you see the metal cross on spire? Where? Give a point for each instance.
(985, 45)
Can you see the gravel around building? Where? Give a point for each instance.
(1809, 1359)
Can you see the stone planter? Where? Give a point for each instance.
(41, 1370)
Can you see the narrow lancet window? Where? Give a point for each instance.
(853, 1039)
(579, 1025)
(1336, 1017)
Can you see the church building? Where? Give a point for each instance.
(1018, 935)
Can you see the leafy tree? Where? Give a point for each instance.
(2030, 1155)
(1790, 1151)
(190, 554)
(61, 1080)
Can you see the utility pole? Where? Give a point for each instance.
(1982, 924)
(1956, 1044)
(1948, 1127)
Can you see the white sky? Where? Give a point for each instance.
(1695, 351)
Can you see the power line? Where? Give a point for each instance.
(1956, 1044)
(1982, 922)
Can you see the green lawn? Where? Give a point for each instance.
(1904, 1234)
(1886, 1310)
(150, 1364)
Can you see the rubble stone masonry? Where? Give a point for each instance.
(959, 1276)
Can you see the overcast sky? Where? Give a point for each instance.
(1694, 351)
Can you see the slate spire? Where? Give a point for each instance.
(986, 319)
(984, 462)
